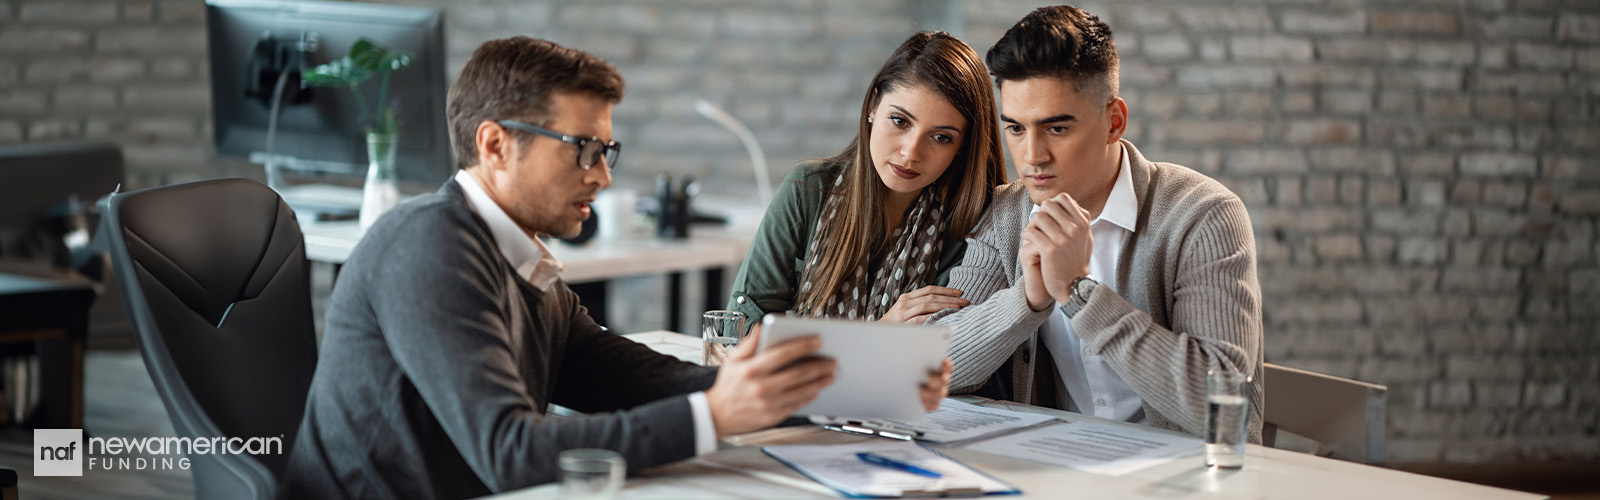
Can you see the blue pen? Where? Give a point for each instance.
(883, 461)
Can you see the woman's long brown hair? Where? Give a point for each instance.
(944, 65)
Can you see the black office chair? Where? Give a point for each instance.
(216, 283)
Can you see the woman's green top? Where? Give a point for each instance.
(769, 279)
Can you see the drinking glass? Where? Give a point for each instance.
(591, 474)
(721, 331)
(1227, 415)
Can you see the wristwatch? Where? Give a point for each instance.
(1081, 289)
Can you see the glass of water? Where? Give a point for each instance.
(591, 474)
(721, 331)
(1227, 413)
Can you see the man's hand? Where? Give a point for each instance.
(937, 386)
(1061, 232)
(1032, 277)
(915, 306)
(755, 391)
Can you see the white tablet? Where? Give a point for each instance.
(881, 366)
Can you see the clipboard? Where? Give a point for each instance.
(870, 382)
(955, 423)
(836, 466)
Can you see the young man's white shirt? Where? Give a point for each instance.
(1087, 384)
(534, 263)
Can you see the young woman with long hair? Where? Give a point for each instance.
(872, 232)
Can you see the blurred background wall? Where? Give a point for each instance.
(1422, 175)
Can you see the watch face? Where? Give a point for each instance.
(1085, 286)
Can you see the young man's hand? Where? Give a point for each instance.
(1060, 231)
(1032, 274)
(755, 391)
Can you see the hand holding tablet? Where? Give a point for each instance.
(755, 390)
(882, 368)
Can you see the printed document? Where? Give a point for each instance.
(1100, 448)
(955, 422)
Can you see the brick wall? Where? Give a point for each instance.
(1423, 181)
(135, 71)
(129, 71)
(1420, 173)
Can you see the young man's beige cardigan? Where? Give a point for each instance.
(1189, 303)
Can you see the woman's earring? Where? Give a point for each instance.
(869, 119)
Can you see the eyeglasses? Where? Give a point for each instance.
(589, 150)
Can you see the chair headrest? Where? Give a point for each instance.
(190, 238)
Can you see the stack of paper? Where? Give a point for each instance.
(1101, 448)
(958, 422)
(955, 423)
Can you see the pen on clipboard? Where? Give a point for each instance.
(883, 461)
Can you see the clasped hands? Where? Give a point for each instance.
(1055, 251)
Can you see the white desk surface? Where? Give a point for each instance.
(601, 258)
(684, 347)
(741, 470)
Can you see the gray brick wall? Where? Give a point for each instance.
(1420, 174)
(1423, 184)
(135, 71)
(130, 71)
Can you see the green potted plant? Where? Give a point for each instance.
(365, 60)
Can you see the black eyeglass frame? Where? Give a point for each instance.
(611, 150)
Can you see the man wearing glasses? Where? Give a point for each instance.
(449, 332)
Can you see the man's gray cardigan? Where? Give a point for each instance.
(439, 362)
(1189, 300)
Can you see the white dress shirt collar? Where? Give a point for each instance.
(527, 255)
(1122, 207)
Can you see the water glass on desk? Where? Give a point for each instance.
(591, 474)
(1227, 416)
(721, 331)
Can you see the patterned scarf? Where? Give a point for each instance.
(911, 261)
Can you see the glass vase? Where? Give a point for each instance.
(380, 192)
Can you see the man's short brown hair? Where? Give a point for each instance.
(513, 79)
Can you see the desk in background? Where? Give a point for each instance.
(741, 470)
(711, 250)
(53, 315)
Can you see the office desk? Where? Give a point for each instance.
(713, 250)
(741, 470)
(53, 315)
(677, 345)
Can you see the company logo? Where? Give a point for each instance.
(63, 452)
(58, 452)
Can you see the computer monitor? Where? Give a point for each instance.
(320, 130)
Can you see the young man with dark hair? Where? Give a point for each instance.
(449, 333)
(1103, 283)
